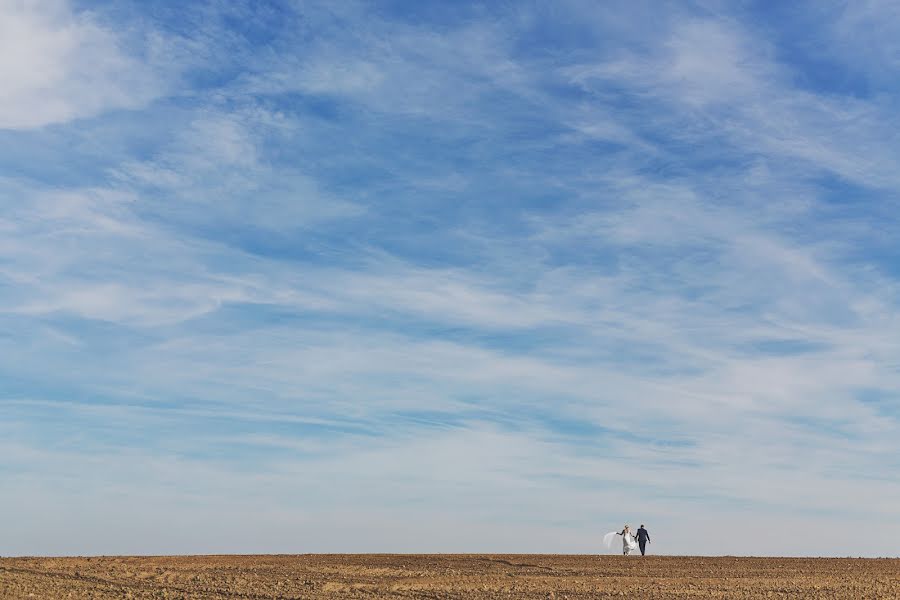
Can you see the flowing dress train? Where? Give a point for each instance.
(628, 542)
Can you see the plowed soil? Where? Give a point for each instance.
(446, 576)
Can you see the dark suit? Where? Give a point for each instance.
(643, 537)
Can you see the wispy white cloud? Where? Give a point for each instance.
(213, 171)
(724, 81)
(877, 52)
(398, 68)
(59, 64)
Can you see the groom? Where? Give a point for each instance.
(643, 537)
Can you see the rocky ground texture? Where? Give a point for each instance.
(445, 576)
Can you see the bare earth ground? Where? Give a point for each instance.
(446, 576)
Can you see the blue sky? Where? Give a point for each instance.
(412, 276)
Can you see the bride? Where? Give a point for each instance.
(628, 541)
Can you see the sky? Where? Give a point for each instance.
(287, 277)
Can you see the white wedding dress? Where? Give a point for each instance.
(628, 541)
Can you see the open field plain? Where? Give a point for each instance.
(445, 576)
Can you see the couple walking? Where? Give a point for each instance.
(630, 540)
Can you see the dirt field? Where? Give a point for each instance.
(446, 576)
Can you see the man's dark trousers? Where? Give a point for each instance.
(643, 545)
